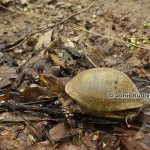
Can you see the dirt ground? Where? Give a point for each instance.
(51, 37)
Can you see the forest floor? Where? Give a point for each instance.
(39, 38)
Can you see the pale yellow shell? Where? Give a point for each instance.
(92, 90)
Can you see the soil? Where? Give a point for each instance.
(112, 33)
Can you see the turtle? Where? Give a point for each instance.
(100, 92)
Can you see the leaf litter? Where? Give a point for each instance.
(31, 116)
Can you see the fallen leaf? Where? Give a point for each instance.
(131, 144)
(8, 59)
(54, 84)
(44, 145)
(6, 74)
(72, 146)
(34, 65)
(44, 40)
(53, 46)
(5, 97)
(58, 131)
(32, 93)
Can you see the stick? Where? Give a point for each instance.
(44, 29)
(22, 107)
(111, 38)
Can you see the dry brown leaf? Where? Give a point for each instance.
(10, 116)
(5, 97)
(44, 40)
(11, 139)
(6, 74)
(33, 92)
(53, 46)
(72, 146)
(131, 144)
(44, 145)
(57, 132)
(55, 85)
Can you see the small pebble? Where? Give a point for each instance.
(133, 30)
(94, 16)
(18, 51)
(100, 13)
(75, 39)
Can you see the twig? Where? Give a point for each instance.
(89, 59)
(65, 138)
(31, 127)
(4, 122)
(43, 101)
(33, 144)
(22, 107)
(65, 20)
(142, 89)
(44, 29)
(111, 38)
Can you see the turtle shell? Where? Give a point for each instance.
(103, 90)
